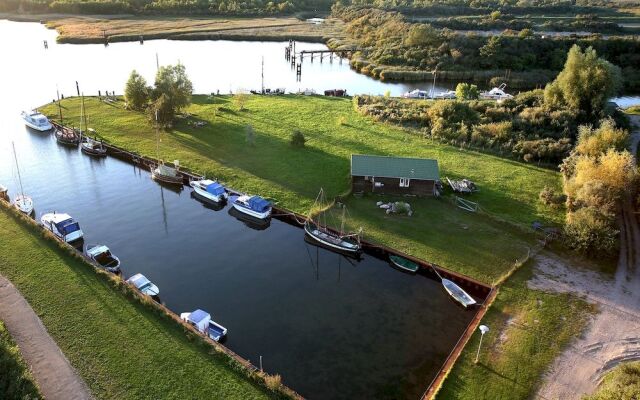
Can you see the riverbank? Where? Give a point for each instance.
(16, 381)
(462, 241)
(121, 346)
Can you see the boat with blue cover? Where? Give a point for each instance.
(254, 206)
(62, 226)
(210, 190)
(201, 320)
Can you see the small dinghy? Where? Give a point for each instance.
(210, 190)
(404, 264)
(103, 256)
(93, 147)
(144, 285)
(66, 136)
(165, 174)
(201, 320)
(254, 206)
(62, 226)
(37, 121)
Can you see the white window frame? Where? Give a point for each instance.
(405, 182)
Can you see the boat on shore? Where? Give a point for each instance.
(143, 284)
(36, 120)
(254, 206)
(404, 264)
(103, 256)
(201, 320)
(62, 226)
(210, 190)
(66, 136)
(348, 243)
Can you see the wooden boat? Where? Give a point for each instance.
(93, 147)
(166, 174)
(348, 243)
(66, 136)
(458, 293)
(404, 264)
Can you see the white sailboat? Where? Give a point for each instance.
(22, 202)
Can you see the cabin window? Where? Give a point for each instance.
(404, 182)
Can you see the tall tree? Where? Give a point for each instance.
(136, 92)
(173, 89)
(585, 84)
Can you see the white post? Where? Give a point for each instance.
(483, 329)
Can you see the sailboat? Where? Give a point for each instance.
(64, 135)
(349, 243)
(164, 173)
(88, 145)
(22, 202)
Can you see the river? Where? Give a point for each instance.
(332, 327)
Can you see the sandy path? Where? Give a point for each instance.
(55, 377)
(613, 335)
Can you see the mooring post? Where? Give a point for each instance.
(46, 45)
(78, 88)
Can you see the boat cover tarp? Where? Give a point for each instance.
(215, 188)
(167, 171)
(259, 204)
(198, 315)
(67, 226)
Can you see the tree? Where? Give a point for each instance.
(466, 91)
(585, 84)
(588, 231)
(136, 92)
(421, 35)
(174, 88)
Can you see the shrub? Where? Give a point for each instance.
(549, 197)
(136, 92)
(594, 142)
(589, 231)
(273, 382)
(297, 139)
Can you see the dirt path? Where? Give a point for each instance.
(614, 333)
(55, 377)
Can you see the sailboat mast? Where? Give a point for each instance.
(59, 106)
(81, 117)
(18, 169)
(157, 139)
(344, 210)
(86, 127)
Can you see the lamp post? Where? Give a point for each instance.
(483, 329)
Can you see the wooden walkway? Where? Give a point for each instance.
(55, 377)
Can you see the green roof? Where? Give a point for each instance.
(394, 167)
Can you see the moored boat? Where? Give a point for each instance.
(144, 285)
(201, 320)
(93, 147)
(62, 226)
(254, 206)
(210, 190)
(35, 120)
(103, 256)
(404, 264)
(448, 95)
(22, 202)
(416, 94)
(458, 293)
(66, 136)
(348, 243)
(166, 174)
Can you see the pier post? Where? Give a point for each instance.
(299, 72)
(46, 45)
(78, 88)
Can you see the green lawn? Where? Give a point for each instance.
(16, 381)
(272, 167)
(528, 329)
(622, 382)
(122, 348)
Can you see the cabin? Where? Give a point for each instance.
(394, 175)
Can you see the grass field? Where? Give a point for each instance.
(439, 232)
(92, 29)
(16, 381)
(122, 348)
(528, 329)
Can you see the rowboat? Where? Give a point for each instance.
(404, 264)
(458, 293)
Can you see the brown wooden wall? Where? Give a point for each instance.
(392, 186)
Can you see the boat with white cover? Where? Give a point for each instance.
(210, 190)
(448, 95)
(497, 93)
(103, 256)
(62, 226)
(166, 174)
(201, 320)
(416, 94)
(36, 120)
(144, 285)
(254, 206)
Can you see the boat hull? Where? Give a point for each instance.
(210, 196)
(410, 267)
(172, 180)
(101, 152)
(24, 204)
(458, 294)
(344, 246)
(39, 128)
(248, 211)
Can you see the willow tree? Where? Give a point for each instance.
(136, 92)
(172, 92)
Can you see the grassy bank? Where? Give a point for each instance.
(528, 330)
(623, 382)
(122, 347)
(272, 167)
(92, 29)
(16, 381)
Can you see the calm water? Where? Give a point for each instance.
(332, 327)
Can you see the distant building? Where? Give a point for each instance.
(394, 175)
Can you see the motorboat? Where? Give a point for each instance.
(201, 320)
(254, 206)
(36, 120)
(404, 264)
(416, 94)
(497, 93)
(144, 285)
(93, 147)
(249, 221)
(22, 202)
(66, 136)
(210, 190)
(166, 174)
(448, 95)
(103, 256)
(62, 226)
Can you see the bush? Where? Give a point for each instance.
(297, 139)
(594, 142)
(589, 231)
(623, 382)
(549, 197)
